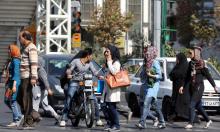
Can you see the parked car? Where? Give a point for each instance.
(55, 65)
(135, 96)
(132, 65)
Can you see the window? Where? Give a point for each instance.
(57, 66)
(87, 8)
(134, 6)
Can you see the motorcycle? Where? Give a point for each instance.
(83, 104)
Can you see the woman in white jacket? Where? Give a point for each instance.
(112, 96)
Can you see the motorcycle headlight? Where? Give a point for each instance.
(88, 76)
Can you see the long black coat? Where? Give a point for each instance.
(180, 102)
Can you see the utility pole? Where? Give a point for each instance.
(157, 25)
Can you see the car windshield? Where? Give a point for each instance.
(213, 72)
(56, 66)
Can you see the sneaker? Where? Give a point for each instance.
(140, 126)
(12, 124)
(107, 127)
(62, 124)
(99, 123)
(162, 126)
(208, 124)
(155, 122)
(27, 127)
(189, 126)
(114, 129)
(20, 121)
(57, 119)
(130, 115)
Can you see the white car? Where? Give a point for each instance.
(134, 94)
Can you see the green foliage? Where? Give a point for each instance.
(202, 30)
(185, 8)
(169, 51)
(214, 62)
(108, 24)
(185, 51)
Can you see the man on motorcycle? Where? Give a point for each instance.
(78, 67)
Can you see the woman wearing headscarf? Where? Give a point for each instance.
(112, 96)
(151, 85)
(195, 75)
(177, 76)
(13, 85)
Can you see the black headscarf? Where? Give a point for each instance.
(114, 52)
(180, 69)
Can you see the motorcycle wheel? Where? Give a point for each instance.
(90, 113)
(74, 120)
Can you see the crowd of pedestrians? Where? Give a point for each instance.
(28, 86)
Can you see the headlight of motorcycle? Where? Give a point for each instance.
(88, 76)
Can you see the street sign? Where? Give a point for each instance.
(76, 40)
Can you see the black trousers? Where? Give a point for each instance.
(25, 100)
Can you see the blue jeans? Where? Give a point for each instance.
(15, 110)
(197, 105)
(111, 114)
(72, 89)
(146, 110)
(97, 115)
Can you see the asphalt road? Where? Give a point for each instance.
(47, 124)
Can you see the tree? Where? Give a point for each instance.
(108, 24)
(185, 9)
(202, 30)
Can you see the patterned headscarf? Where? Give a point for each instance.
(150, 53)
(14, 51)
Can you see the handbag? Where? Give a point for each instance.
(8, 94)
(120, 79)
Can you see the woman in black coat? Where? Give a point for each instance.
(180, 102)
(195, 76)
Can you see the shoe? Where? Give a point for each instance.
(99, 123)
(114, 129)
(62, 124)
(140, 126)
(208, 124)
(27, 127)
(129, 115)
(107, 127)
(12, 124)
(162, 126)
(155, 122)
(20, 121)
(57, 119)
(189, 126)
